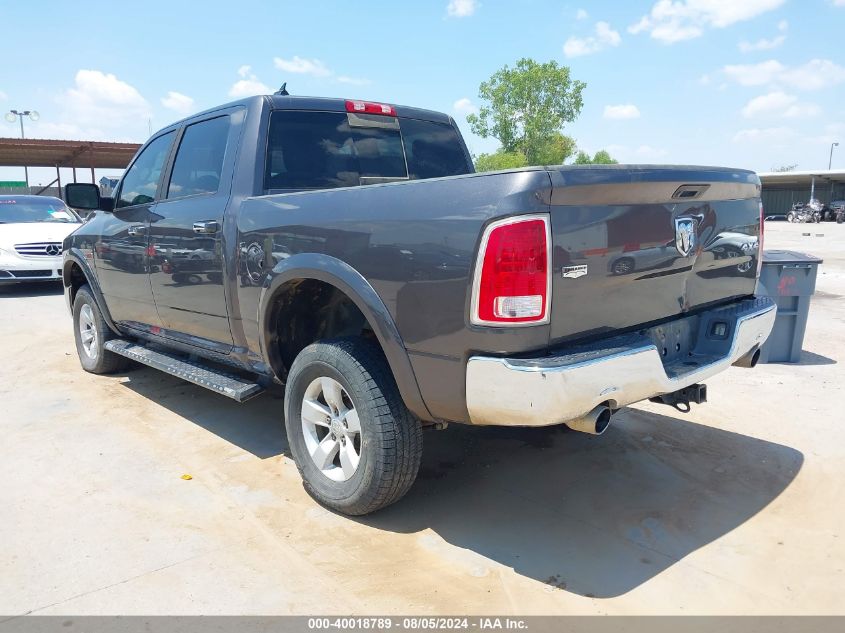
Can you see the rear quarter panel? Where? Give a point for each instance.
(415, 244)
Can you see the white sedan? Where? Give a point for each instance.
(32, 229)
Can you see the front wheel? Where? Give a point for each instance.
(790, 217)
(91, 333)
(356, 445)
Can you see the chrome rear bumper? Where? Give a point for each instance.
(616, 372)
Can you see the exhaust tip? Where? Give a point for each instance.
(594, 423)
(603, 420)
(750, 360)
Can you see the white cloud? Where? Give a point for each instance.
(303, 66)
(464, 106)
(758, 74)
(3, 96)
(839, 3)
(603, 37)
(674, 21)
(315, 68)
(99, 106)
(582, 14)
(102, 100)
(249, 88)
(779, 105)
(176, 101)
(767, 135)
(623, 111)
(814, 75)
(462, 8)
(764, 44)
(249, 85)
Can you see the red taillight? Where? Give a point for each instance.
(368, 107)
(513, 273)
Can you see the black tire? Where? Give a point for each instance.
(790, 217)
(623, 266)
(99, 360)
(390, 437)
(840, 218)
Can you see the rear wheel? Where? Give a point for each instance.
(91, 333)
(356, 445)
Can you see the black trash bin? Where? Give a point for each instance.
(789, 279)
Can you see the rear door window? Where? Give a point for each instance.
(199, 159)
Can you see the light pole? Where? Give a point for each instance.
(830, 160)
(11, 115)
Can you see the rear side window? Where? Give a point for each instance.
(199, 159)
(433, 149)
(140, 183)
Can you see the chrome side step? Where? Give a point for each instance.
(192, 371)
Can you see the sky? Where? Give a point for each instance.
(742, 83)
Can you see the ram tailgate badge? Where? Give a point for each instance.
(684, 235)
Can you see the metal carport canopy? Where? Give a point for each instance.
(801, 178)
(17, 152)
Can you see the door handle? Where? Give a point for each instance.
(206, 227)
(137, 230)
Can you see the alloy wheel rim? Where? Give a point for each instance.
(88, 331)
(331, 428)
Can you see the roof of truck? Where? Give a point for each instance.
(330, 104)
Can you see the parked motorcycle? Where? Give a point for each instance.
(805, 212)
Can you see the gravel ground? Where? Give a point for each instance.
(735, 508)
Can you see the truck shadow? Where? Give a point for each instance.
(256, 426)
(596, 516)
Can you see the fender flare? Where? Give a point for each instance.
(76, 256)
(342, 276)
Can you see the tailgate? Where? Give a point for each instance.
(634, 245)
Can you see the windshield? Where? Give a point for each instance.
(23, 210)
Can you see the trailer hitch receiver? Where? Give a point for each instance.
(681, 398)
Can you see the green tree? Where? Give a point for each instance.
(601, 157)
(554, 152)
(500, 160)
(526, 107)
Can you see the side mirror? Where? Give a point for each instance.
(83, 195)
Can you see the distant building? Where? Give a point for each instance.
(107, 185)
(783, 188)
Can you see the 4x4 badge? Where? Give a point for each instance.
(573, 272)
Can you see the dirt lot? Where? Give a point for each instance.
(736, 508)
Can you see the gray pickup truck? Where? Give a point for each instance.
(346, 250)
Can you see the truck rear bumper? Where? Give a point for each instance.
(617, 371)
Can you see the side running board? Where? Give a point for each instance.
(192, 371)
